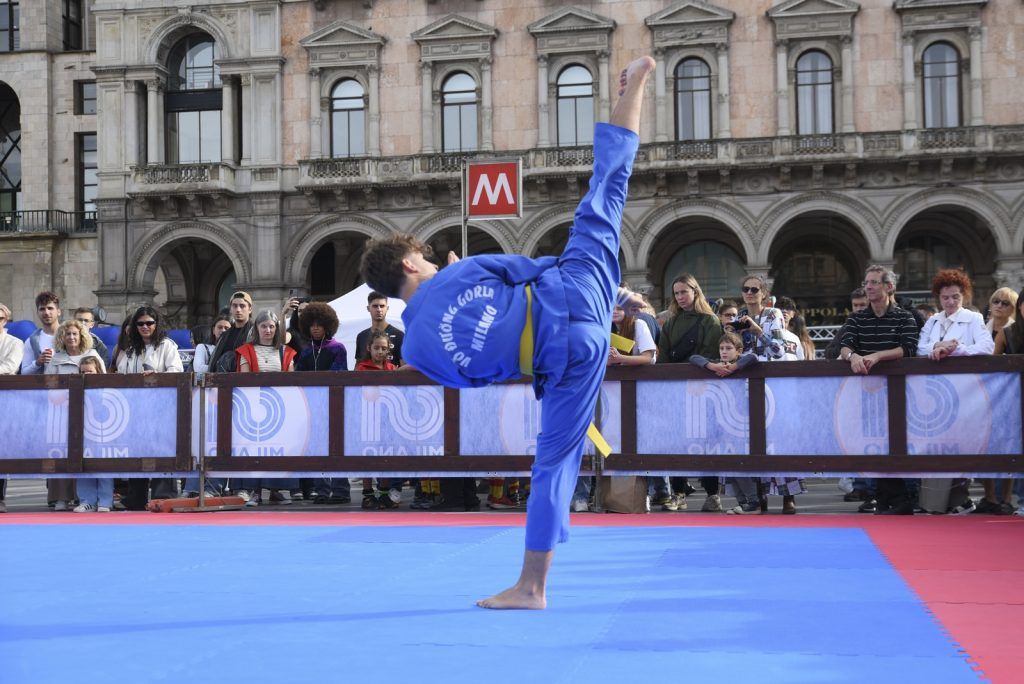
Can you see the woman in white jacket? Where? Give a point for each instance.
(954, 331)
(149, 349)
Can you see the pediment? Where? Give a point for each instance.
(690, 12)
(454, 27)
(339, 34)
(803, 8)
(571, 19)
(932, 4)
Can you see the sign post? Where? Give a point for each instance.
(490, 190)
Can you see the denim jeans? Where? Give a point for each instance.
(96, 491)
(333, 487)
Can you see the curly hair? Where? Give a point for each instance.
(318, 312)
(381, 265)
(84, 338)
(953, 277)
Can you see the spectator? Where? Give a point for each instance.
(11, 348)
(123, 342)
(1010, 338)
(205, 347)
(858, 302)
(644, 350)
(378, 351)
(11, 351)
(728, 362)
(377, 305)
(639, 308)
(759, 325)
(1002, 311)
(318, 323)
(266, 352)
(882, 332)
(692, 328)
(223, 358)
(954, 331)
(792, 350)
(94, 494)
(86, 317)
(292, 312)
(728, 312)
(924, 311)
(147, 349)
(798, 326)
(38, 348)
(71, 343)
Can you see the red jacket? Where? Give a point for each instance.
(248, 352)
(370, 365)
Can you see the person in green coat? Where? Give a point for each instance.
(692, 328)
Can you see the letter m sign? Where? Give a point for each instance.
(493, 190)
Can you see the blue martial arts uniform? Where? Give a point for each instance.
(463, 329)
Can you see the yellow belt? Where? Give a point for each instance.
(526, 366)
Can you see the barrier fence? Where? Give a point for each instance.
(962, 416)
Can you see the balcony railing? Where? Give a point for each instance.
(842, 147)
(214, 176)
(47, 221)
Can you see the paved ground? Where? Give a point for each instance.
(822, 497)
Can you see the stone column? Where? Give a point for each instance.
(486, 106)
(315, 116)
(909, 84)
(661, 113)
(847, 67)
(227, 121)
(543, 134)
(427, 107)
(724, 116)
(1009, 272)
(245, 116)
(604, 98)
(154, 118)
(131, 124)
(976, 79)
(373, 143)
(782, 86)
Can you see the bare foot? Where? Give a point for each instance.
(635, 72)
(515, 598)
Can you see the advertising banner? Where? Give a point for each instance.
(277, 421)
(131, 423)
(963, 414)
(35, 423)
(808, 416)
(692, 417)
(394, 421)
(503, 420)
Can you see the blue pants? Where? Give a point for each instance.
(96, 491)
(589, 267)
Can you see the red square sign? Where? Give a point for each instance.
(493, 190)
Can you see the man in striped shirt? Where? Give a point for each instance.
(881, 332)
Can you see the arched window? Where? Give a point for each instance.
(814, 93)
(348, 119)
(941, 86)
(193, 101)
(575, 97)
(716, 266)
(458, 113)
(10, 149)
(693, 100)
(919, 257)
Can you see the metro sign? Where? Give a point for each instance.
(492, 190)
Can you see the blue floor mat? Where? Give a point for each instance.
(156, 604)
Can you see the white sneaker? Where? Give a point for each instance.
(80, 508)
(252, 502)
(60, 506)
(243, 495)
(102, 509)
(580, 506)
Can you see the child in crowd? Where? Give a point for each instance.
(379, 348)
(94, 495)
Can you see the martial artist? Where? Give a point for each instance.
(486, 319)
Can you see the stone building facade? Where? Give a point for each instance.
(259, 143)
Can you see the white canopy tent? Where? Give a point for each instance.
(353, 317)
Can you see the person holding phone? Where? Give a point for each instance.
(39, 345)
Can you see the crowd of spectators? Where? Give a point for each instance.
(724, 338)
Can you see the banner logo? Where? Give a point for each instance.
(107, 419)
(712, 404)
(416, 425)
(933, 420)
(268, 425)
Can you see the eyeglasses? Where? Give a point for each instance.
(144, 324)
(871, 282)
(751, 290)
(1000, 302)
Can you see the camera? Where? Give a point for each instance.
(740, 325)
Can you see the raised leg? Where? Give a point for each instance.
(631, 94)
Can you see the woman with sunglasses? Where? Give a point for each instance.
(759, 324)
(149, 349)
(1003, 313)
(1009, 340)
